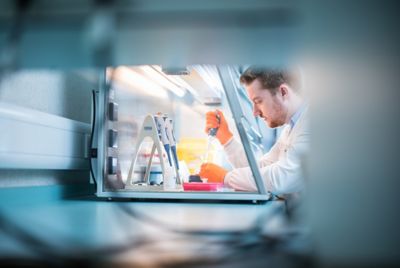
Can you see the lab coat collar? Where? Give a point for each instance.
(297, 115)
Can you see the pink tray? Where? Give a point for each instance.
(202, 186)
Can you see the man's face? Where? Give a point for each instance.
(272, 108)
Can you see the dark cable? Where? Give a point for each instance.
(255, 228)
(91, 138)
(231, 238)
(93, 151)
(57, 256)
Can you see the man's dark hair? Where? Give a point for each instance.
(271, 79)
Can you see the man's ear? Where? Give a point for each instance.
(283, 90)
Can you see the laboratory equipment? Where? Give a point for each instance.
(155, 127)
(169, 128)
(211, 135)
(148, 130)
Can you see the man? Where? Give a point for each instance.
(277, 99)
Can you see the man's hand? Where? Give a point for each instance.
(212, 172)
(223, 133)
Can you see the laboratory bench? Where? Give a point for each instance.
(86, 231)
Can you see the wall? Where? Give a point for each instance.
(62, 93)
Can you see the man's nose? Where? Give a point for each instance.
(256, 112)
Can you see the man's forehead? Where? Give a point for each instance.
(256, 86)
(256, 83)
(256, 91)
(254, 97)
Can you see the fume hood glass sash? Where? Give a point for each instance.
(240, 120)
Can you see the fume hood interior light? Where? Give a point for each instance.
(182, 83)
(169, 70)
(210, 75)
(137, 80)
(162, 80)
(178, 80)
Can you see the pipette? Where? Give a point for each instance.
(163, 135)
(169, 128)
(211, 134)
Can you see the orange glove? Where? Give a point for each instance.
(212, 172)
(223, 132)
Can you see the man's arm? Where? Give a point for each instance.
(237, 157)
(280, 177)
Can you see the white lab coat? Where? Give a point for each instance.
(280, 168)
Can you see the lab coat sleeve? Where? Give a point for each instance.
(235, 154)
(281, 177)
(237, 157)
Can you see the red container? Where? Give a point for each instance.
(202, 186)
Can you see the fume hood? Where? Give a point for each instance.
(132, 156)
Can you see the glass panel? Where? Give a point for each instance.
(162, 119)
